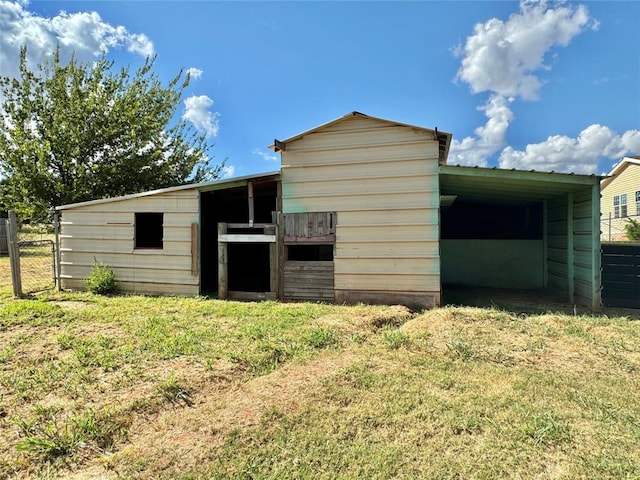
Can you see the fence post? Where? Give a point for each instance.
(14, 255)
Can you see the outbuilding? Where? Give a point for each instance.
(363, 209)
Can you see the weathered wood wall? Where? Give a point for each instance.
(104, 232)
(308, 281)
(382, 180)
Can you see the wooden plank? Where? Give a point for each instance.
(280, 243)
(273, 266)
(411, 299)
(621, 249)
(194, 249)
(222, 263)
(625, 303)
(245, 238)
(231, 226)
(325, 239)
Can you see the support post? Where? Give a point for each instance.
(545, 243)
(280, 244)
(570, 250)
(273, 259)
(222, 263)
(14, 255)
(596, 253)
(251, 214)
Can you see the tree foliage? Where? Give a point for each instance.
(632, 229)
(77, 132)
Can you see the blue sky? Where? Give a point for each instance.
(531, 85)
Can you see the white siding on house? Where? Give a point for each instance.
(104, 232)
(626, 182)
(382, 180)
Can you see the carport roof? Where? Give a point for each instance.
(494, 185)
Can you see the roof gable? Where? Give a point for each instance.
(444, 138)
(618, 168)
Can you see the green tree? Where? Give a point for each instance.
(77, 132)
(632, 229)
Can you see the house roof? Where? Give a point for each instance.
(494, 185)
(444, 138)
(203, 186)
(618, 168)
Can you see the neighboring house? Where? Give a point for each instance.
(620, 198)
(363, 210)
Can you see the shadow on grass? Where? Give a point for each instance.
(524, 301)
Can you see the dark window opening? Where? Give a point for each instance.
(310, 253)
(148, 230)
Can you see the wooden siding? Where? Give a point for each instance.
(557, 243)
(382, 180)
(627, 181)
(104, 232)
(310, 281)
(586, 251)
(573, 248)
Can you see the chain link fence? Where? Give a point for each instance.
(612, 229)
(27, 257)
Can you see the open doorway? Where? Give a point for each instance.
(493, 245)
(247, 263)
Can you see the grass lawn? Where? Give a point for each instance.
(140, 387)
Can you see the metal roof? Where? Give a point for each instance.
(202, 186)
(494, 185)
(444, 138)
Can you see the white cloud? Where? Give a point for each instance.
(502, 57)
(579, 155)
(227, 171)
(194, 72)
(84, 33)
(270, 157)
(488, 139)
(197, 112)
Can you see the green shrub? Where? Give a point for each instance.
(101, 280)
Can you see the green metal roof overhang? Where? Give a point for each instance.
(509, 187)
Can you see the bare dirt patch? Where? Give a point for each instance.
(187, 436)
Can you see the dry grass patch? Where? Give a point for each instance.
(138, 387)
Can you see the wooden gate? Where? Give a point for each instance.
(621, 275)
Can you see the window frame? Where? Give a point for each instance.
(623, 205)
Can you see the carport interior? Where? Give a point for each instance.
(521, 230)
